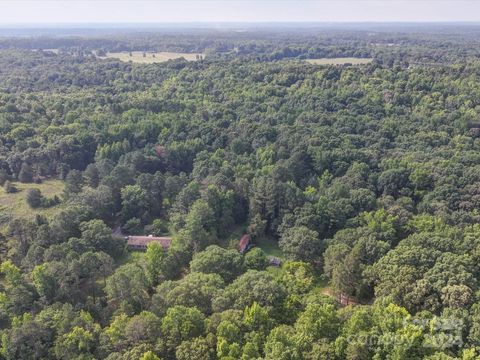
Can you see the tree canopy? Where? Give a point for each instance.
(356, 186)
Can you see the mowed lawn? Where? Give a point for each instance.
(270, 246)
(152, 57)
(15, 205)
(339, 61)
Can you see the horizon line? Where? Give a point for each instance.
(206, 22)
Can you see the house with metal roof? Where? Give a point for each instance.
(141, 242)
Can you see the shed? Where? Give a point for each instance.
(137, 242)
(274, 261)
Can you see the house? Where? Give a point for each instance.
(141, 242)
(244, 244)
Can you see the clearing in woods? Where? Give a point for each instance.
(340, 61)
(152, 57)
(15, 204)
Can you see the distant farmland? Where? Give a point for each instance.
(339, 61)
(152, 57)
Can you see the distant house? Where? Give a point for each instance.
(141, 242)
(244, 244)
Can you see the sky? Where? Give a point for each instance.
(171, 11)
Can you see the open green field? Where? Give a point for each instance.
(270, 246)
(151, 57)
(339, 61)
(131, 257)
(15, 205)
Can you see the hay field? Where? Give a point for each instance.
(15, 205)
(152, 57)
(339, 61)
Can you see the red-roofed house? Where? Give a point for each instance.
(244, 244)
(141, 242)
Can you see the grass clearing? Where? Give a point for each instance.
(151, 57)
(340, 61)
(15, 205)
(232, 240)
(131, 257)
(269, 246)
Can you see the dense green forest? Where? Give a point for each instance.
(364, 181)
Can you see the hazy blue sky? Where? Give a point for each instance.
(67, 11)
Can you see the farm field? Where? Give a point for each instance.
(15, 205)
(151, 57)
(339, 61)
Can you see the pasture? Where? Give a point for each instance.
(340, 61)
(15, 205)
(152, 57)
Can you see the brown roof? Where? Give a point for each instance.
(143, 241)
(244, 242)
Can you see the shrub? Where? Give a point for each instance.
(34, 198)
(9, 187)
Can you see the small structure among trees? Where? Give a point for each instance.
(274, 261)
(141, 242)
(245, 244)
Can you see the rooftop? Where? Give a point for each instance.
(143, 241)
(244, 243)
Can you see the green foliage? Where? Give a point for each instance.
(3, 177)
(127, 288)
(26, 173)
(134, 202)
(362, 179)
(194, 290)
(133, 226)
(9, 187)
(301, 244)
(255, 259)
(149, 356)
(199, 230)
(154, 258)
(73, 183)
(316, 323)
(216, 260)
(159, 227)
(298, 277)
(45, 283)
(197, 349)
(253, 286)
(181, 324)
(34, 198)
(281, 344)
(98, 235)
